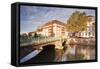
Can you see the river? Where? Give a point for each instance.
(68, 53)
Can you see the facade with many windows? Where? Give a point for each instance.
(53, 28)
(90, 31)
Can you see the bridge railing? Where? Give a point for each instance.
(39, 40)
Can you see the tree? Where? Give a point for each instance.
(77, 22)
(35, 35)
(24, 36)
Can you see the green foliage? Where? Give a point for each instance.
(37, 35)
(24, 36)
(77, 22)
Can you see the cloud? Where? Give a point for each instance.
(33, 16)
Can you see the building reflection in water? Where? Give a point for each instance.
(75, 52)
(68, 53)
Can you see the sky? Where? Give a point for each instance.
(31, 17)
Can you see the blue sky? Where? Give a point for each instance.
(32, 17)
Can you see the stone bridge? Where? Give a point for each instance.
(57, 42)
(39, 43)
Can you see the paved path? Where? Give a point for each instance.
(29, 56)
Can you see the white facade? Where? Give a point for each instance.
(90, 31)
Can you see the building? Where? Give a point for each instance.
(52, 28)
(90, 31)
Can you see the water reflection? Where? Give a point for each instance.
(76, 52)
(68, 53)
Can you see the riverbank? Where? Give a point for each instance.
(80, 41)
